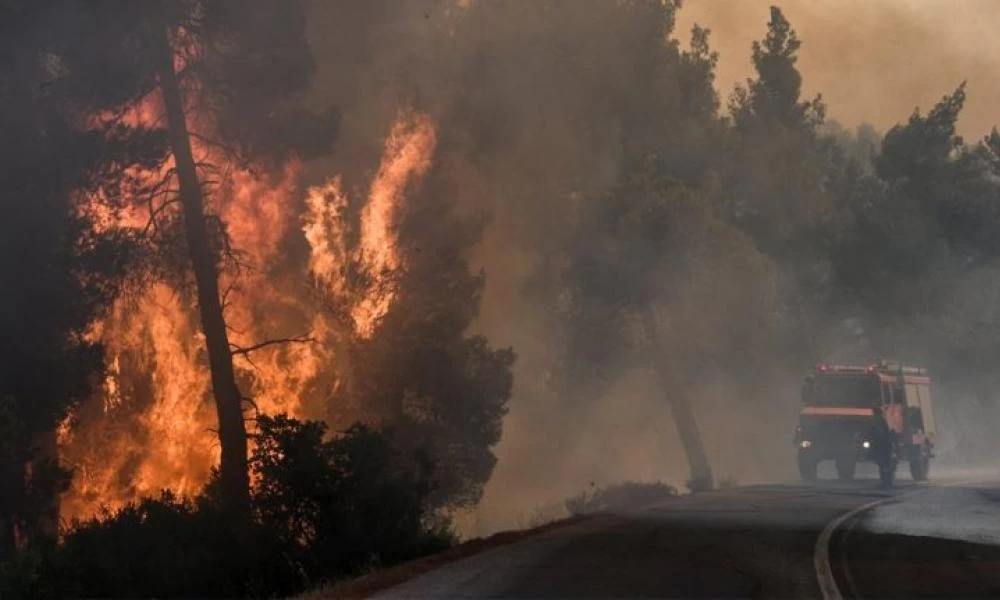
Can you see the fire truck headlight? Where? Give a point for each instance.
(805, 444)
(866, 444)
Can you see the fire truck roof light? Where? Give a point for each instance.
(879, 366)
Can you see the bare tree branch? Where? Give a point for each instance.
(229, 289)
(253, 405)
(154, 214)
(244, 351)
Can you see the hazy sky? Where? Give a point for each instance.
(873, 60)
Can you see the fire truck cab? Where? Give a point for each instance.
(880, 413)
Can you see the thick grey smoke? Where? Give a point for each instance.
(540, 107)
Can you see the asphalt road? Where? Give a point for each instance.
(830, 540)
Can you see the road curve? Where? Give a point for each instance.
(762, 541)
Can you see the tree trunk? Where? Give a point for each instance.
(687, 427)
(228, 400)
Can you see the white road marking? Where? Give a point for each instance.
(821, 555)
(852, 587)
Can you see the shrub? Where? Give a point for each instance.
(170, 547)
(629, 495)
(27, 574)
(345, 505)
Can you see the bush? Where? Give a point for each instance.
(28, 574)
(342, 506)
(322, 510)
(629, 495)
(170, 547)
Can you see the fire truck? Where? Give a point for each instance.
(880, 413)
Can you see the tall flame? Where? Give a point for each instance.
(151, 424)
(408, 155)
(127, 451)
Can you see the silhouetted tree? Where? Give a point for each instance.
(58, 271)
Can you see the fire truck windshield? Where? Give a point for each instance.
(845, 391)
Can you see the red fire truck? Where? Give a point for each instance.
(880, 413)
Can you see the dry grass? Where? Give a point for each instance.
(624, 496)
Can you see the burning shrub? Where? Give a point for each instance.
(324, 509)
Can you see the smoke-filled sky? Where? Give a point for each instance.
(536, 106)
(872, 61)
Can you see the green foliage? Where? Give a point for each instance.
(442, 389)
(345, 505)
(664, 275)
(921, 253)
(775, 94)
(931, 202)
(921, 149)
(772, 99)
(775, 173)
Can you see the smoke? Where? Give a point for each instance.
(872, 61)
(541, 106)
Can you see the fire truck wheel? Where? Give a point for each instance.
(845, 468)
(807, 467)
(920, 464)
(887, 472)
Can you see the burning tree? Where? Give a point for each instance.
(398, 286)
(189, 68)
(320, 297)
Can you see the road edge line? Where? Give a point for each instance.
(845, 540)
(821, 554)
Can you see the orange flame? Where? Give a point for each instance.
(151, 425)
(408, 153)
(156, 445)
